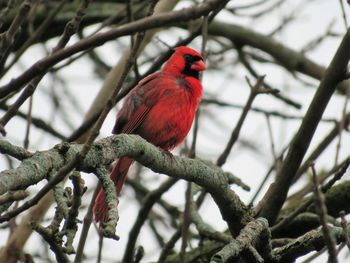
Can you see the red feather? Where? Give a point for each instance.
(160, 109)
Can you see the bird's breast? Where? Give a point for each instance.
(170, 119)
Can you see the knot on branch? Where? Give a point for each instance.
(62, 148)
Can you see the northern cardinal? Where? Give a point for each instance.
(160, 109)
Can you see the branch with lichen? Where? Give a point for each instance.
(105, 151)
(250, 236)
(108, 228)
(313, 240)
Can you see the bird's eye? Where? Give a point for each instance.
(188, 57)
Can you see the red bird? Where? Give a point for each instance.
(160, 109)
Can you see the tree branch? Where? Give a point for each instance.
(335, 73)
(42, 65)
(105, 151)
(310, 241)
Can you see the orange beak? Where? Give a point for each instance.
(198, 65)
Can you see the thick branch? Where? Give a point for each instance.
(251, 235)
(336, 72)
(106, 150)
(312, 240)
(289, 58)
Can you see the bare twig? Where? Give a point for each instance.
(29, 123)
(254, 91)
(169, 246)
(252, 71)
(271, 113)
(176, 236)
(86, 226)
(272, 142)
(186, 221)
(141, 190)
(100, 246)
(314, 43)
(148, 203)
(140, 252)
(344, 14)
(321, 209)
(272, 168)
(342, 125)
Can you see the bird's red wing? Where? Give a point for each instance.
(136, 119)
(138, 104)
(142, 98)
